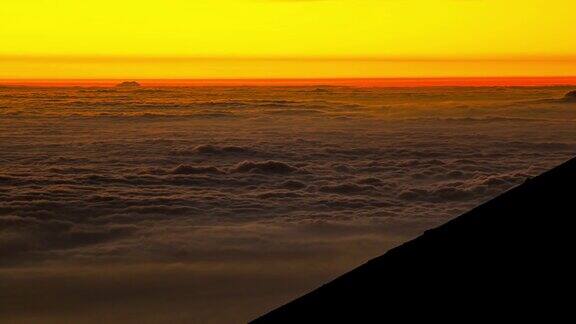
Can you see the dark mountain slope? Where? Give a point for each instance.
(509, 258)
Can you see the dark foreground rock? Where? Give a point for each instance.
(506, 260)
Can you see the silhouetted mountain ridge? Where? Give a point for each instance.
(570, 96)
(509, 259)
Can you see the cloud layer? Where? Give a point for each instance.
(274, 190)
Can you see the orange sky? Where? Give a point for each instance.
(179, 39)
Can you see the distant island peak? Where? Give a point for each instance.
(128, 84)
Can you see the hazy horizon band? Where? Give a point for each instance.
(354, 82)
(99, 68)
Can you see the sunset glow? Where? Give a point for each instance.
(175, 39)
(208, 161)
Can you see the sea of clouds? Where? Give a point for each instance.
(216, 204)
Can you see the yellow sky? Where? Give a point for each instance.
(285, 38)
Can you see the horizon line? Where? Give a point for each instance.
(465, 81)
